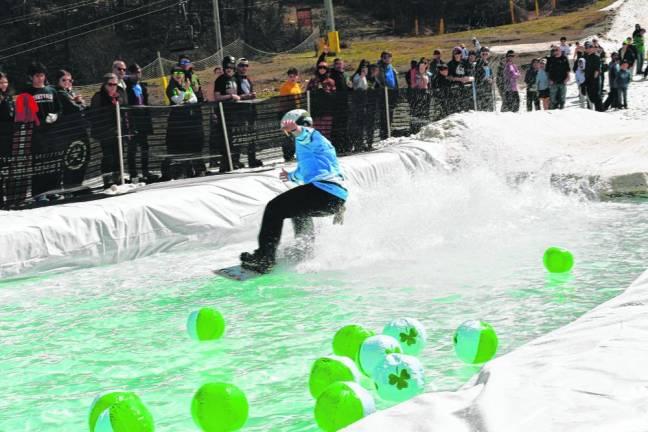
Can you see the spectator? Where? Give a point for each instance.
(579, 52)
(441, 85)
(104, 126)
(419, 97)
(484, 82)
(73, 131)
(226, 91)
(141, 124)
(542, 80)
(246, 114)
(322, 80)
(218, 71)
(411, 73)
(435, 62)
(464, 52)
(511, 74)
(184, 137)
(613, 97)
(531, 81)
(623, 79)
(565, 48)
(637, 30)
(638, 43)
(290, 92)
(580, 82)
(592, 76)
(7, 111)
(458, 68)
(119, 69)
(322, 86)
(373, 80)
(44, 142)
(361, 111)
(628, 53)
(558, 71)
(476, 45)
(387, 78)
(184, 63)
(472, 62)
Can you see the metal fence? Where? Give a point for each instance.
(80, 155)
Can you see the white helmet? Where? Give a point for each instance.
(299, 116)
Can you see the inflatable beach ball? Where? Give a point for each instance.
(120, 412)
(348, 339)
(399, 377)
(341, 404)
(409, 332)
(374, 350)
(557, 260)
(330, 369)
(475, 342)
(219, 407)
(205, 324)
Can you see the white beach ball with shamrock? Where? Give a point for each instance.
(399, 377)
(409, 332)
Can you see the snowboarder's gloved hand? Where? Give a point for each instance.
(338, 218)
(51, 118)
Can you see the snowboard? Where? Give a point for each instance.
(237, 273)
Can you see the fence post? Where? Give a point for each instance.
(225, 136)
(387, 112)
(308, 102)
(163, 78)
(474, 94)
(120, 144)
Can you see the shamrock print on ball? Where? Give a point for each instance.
(409, 332)
(399, 377)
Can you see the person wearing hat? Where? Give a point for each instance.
(628, 52)
(592, 76)
(141, 125)
(435, 61)
(320, 192)
(245, 115)
(226, 91)
(44, 141)
(184, 63)
(558, 71)
(484, 81)
(387, 77)
(511, 101)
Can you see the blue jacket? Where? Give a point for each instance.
(623, 79)
(317, 163)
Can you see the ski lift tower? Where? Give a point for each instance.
(333, 35)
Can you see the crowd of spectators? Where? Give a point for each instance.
(467, 80)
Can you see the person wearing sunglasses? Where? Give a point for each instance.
(104, 126)
(73, 132)
(320, 192)
(558, 70)
(119, 69)
(184, 63)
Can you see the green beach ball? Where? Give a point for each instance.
(475, 342)
(129, 415)
(399, 377)
(348, 339)
(374, 350)
(341, 404)
(104, 401)
(557, 260)
(219, 407)
(330, 369)
(409, 332)
(206, 324)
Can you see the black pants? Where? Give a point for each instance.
(533, 100)
(612, 99)
(46, 161)
(511, 102)
(594, 94)
(138, 140)
(300, 204)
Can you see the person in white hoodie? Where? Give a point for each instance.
(580, 81)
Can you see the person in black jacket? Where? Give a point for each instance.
(72, 131)
(592, 76)
(7, 111)
(559, 71)
(533, 98)
(141, 124)
(484, 81)
(441, 86)
(46, 149)
(104, 126)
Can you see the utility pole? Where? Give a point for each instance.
(330, 18)
(217, 28)
(512, 8)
